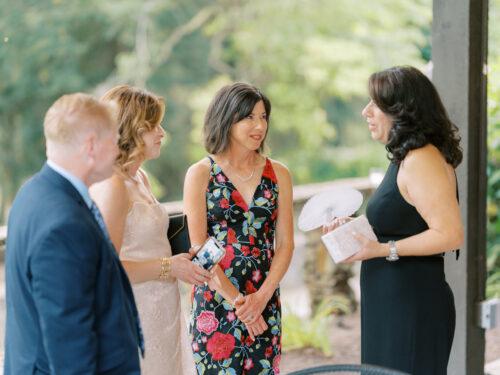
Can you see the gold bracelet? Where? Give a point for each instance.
(165, 269)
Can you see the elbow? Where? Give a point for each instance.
(460, 237)
(456, 238)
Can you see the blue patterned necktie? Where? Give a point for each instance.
(98, 217)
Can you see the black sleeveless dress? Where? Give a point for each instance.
(407, 307)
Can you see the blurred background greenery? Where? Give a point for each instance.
(312, 58)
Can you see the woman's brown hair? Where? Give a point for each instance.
(138, 112)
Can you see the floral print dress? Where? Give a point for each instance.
(220, 341)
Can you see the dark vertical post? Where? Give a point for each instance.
(459, 55)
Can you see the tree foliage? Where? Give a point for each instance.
(311, 58)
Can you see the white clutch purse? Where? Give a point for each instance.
(340, 242)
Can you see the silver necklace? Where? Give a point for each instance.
(243, 179)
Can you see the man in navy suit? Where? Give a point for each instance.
(70, 308)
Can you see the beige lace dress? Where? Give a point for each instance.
(164, 327)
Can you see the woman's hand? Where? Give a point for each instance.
(183, 269)
(335, 223)
(258, 327)
(369, 249)
(251, 308)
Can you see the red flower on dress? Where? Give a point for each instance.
(255, 252)
(224, 203)
(238, 199)
(206, 322)
(269, 351)
(207, 295)
(248, 341)
(220, 346)
(228, 258)
(231, 236)
(245, 250)
(249, 287)
(248, 364)
(251, 240)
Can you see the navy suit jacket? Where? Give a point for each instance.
(70, 307)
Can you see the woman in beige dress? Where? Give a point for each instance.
(137, 225)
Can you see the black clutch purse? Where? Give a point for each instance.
(178, 234)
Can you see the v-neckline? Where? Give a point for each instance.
(236, 190)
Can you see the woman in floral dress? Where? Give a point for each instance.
(234, 195)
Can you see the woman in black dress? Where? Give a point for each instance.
(407, 308)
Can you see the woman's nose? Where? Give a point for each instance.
(365, 110)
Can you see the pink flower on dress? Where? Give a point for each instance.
(256, 276)
(275, 340)
(248, 364)
(220, 178)
(267, 194)
(195, 347)
(276, 364)
(230, 316)
(206, 322)
(204, 339)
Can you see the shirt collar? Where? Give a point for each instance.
(75, 181)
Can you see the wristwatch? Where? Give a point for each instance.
(393, 252)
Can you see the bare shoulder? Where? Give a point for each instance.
(115, 185)
(111, 192)
(422, 157)
(199, 171)
(281, 170)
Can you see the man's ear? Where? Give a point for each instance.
(89, 145)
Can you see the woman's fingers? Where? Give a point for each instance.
(251, 332)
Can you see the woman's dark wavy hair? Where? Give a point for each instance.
(418, 114)
(232, 103)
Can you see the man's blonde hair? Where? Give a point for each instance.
(71, 114)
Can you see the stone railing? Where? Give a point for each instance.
(311, 264)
